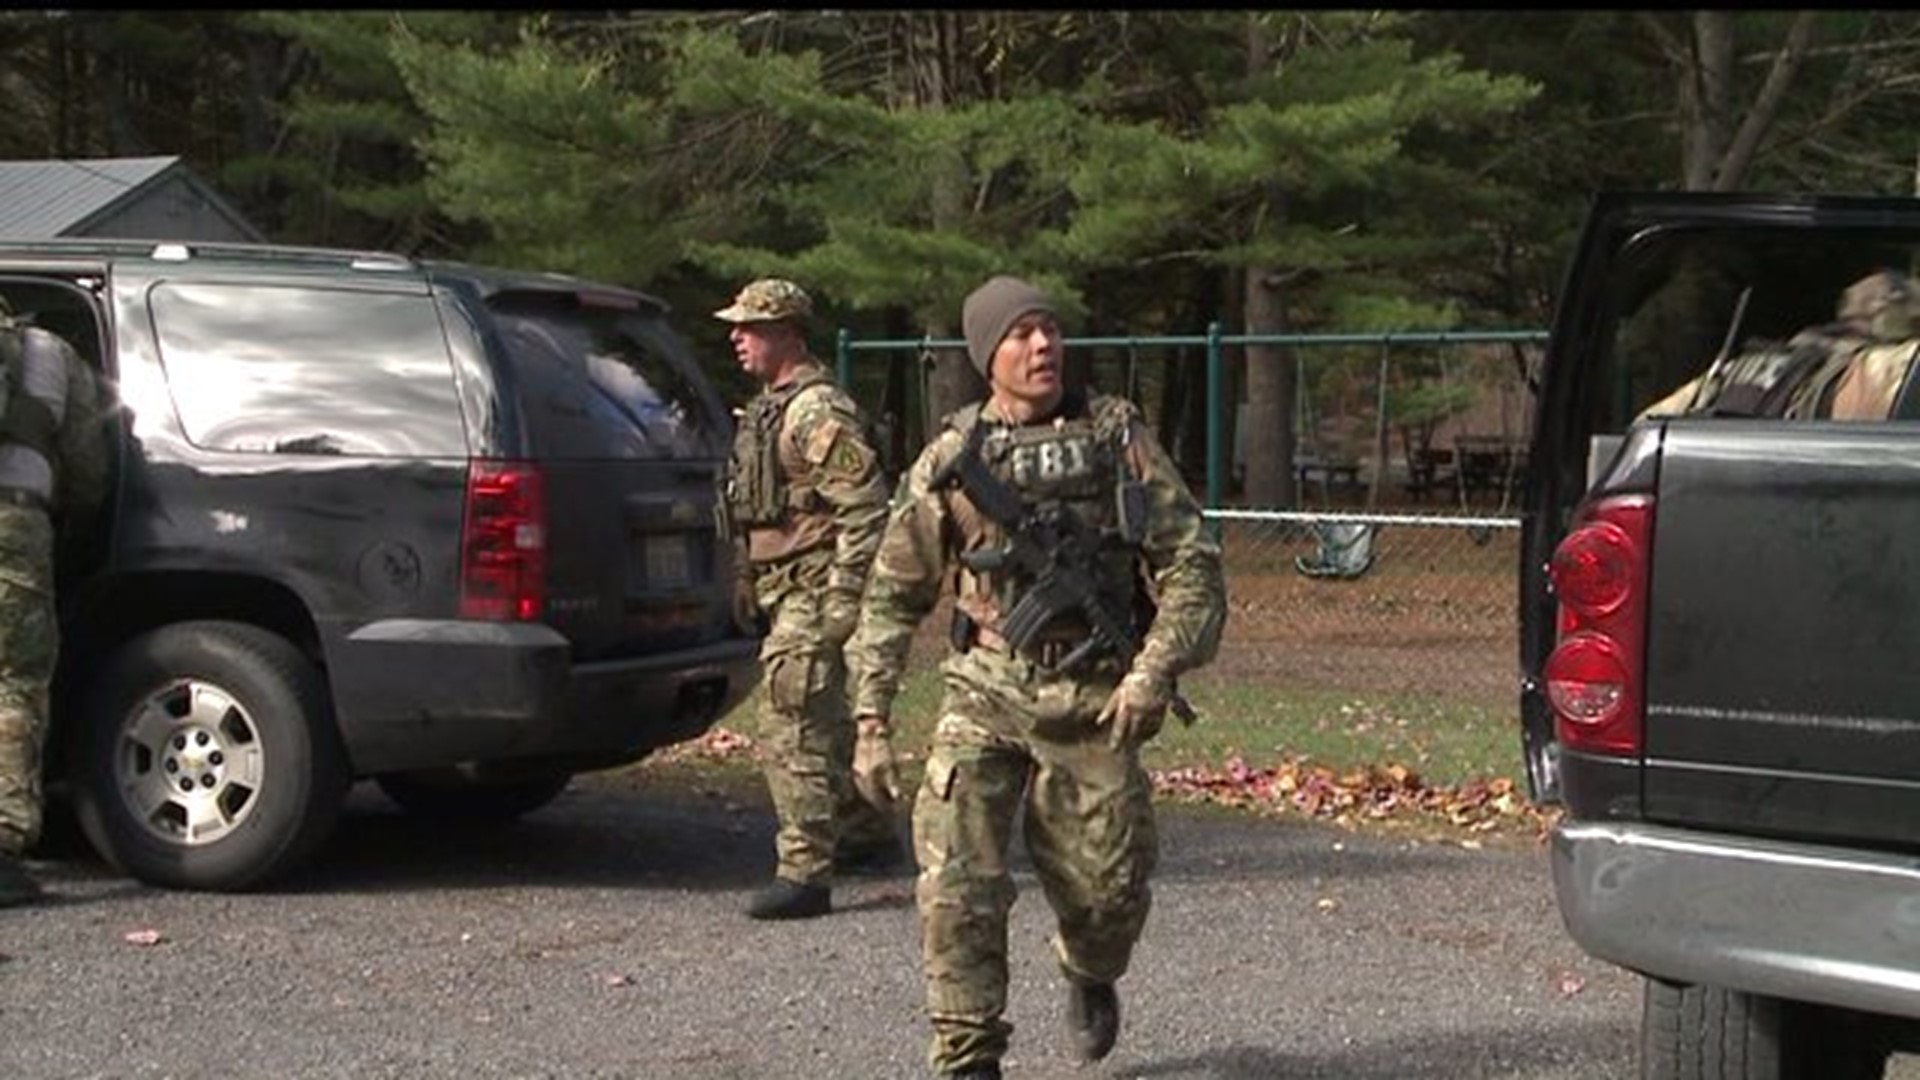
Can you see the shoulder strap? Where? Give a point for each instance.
(965, 418)
(13, 346)
(808, 379)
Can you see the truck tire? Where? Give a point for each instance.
(206, 757)
(1710, 1033)
(455, 794)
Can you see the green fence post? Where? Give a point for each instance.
(1215, 434)
(843, 358)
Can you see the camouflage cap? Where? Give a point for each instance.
(1882, 304)
(768, 300)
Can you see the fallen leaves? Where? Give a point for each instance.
(1353, 796)
(717, 743)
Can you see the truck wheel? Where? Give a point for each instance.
(459, 793)
(1710, 1033)
(206, 757)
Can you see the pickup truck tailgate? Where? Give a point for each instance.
(1783, 686)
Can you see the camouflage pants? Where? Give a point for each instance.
(806, 729)
(29, 645)
(1011, 737)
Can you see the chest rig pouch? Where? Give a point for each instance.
(758, 493)
(1072, 517)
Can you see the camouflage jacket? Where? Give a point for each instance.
(930, 529)
(832, 491)
(75, 446)
(81, 459)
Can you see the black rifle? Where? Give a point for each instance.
(1058, 551)
(1720, 358)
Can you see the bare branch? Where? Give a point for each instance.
(1669, 44)
(1739, 154)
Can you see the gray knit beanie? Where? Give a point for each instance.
(992, 309)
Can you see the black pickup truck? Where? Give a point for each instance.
(1720, 644)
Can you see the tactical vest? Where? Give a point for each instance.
(759, 492)
(1792, 379)
(1073, 470)
(36, 397)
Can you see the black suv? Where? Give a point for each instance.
(454, 529)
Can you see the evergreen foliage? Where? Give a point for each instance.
(1159, 170)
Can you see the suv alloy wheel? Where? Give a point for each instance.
(210, 757)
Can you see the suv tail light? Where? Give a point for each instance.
(503, 543)
(1596, 675)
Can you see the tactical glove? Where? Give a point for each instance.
(873, 771)
(1137, 708)
(839, 614)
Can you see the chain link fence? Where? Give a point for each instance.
(1398, 603)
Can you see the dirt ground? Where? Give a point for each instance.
(1434, 613)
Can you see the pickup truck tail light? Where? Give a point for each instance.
(503, 542)
(1596, 675)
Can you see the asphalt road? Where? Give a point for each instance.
(602, 937)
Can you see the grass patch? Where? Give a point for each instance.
(1445, 742)
(1447, 769)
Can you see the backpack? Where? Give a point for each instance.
(1776, 379)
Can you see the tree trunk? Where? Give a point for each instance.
(109, 76)
(932, 39)
(901, 434)
(1270, 389)
(1718, 137)
(1184, 421)
(1269, 435)
(1706, 96)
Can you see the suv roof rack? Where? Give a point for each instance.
(178, 251)
(183, 250)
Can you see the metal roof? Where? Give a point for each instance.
(42, 199)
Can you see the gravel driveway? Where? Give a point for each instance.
(601, 937)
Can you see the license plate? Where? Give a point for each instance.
(668, 564)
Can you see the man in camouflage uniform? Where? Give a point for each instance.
(1883, 310)
(53, 467)
(1847, 369)
(809, 500)
(1043, 709)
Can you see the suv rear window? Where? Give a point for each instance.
(280, 369)
(607, 384)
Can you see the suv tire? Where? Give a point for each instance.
(1710, 1033)
(235, 714)
(458, 794)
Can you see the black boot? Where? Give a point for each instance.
(16, 885)
(985, 1070)
(790, 900)
(1093, 1015)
